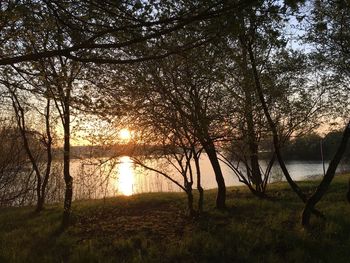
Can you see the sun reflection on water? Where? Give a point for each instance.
(126, 176)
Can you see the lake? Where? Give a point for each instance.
(94, 178)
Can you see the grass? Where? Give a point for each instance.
(154, 228)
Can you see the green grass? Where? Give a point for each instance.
(154, 228)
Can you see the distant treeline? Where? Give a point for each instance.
(115, 150)
(308, 147)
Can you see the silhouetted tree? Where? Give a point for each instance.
(107, 32)
(35, 141)
(186, 86)
(265, 71)
(327, 179)
(17, 183)
(42, 177)
(166, 143)
(330, 33)
(60, 76)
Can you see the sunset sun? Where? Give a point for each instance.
(124, 134)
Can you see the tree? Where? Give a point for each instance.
(167, 134)
(35, 141)
(166, 144)
(186, 85)
(102, 33)
(42, 178)
(326, 180)
(117, 33)
(54, 79)
(267, 72)
(330, 34)
(16, 182)
(245, 119)
(59, 76)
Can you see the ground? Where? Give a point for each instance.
(155, 228)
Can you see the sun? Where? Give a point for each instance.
(124, 134)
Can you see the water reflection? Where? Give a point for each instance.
(122, 176)
(126, 178)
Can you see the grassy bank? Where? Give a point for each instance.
(154, 228)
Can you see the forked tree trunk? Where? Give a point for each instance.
(276, 142)
(327, 179)
(273, 128)
(249, 118)
(21, 123)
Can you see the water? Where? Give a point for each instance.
(94, 178)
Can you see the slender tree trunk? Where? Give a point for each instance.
(248, 108)
(276, 141)
(66, 163)
(39, 197)
(327, 179)
(348, 194)
(48, 154)
(199, 185)
(221, 196)
(254, 162)
(190, 200)
(252, 144)
(273, 128)
(20, 116)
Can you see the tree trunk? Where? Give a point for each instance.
(249, 117)
(253, 146)
(66, 163)
(327, 179)
(276, 142)
(254, 162)
(199, 186)
(273, 128)
(190, 201)
(39, 197)
(41, 203)
(21, 123)
(348, 194)
(221, 196)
